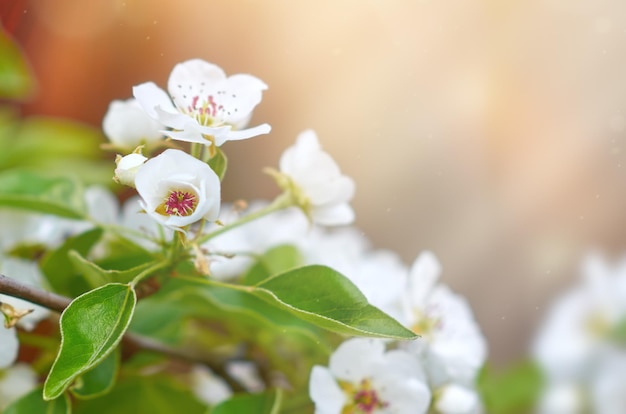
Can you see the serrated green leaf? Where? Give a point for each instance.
(29, 191)
(264, 403)
(144, 395)
(57, 267)
(97, 276)
(99, 380)
(33, 403)
(91, 327)
(15, 78)
(276, 260)
(326, 298)
(219, 163)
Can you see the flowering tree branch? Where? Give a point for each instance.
(58, 303)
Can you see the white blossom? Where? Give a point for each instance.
(208, 107)
(451, 344)
(15, 382)
(363, 378)
(127, 167)
(177, 189)
(457, 399)
(316, 181)
(208, 387)
(127, 125)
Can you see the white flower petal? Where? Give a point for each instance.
(127, 125)
(423, 277)
(456, 399)
(235, 135)
(333, 215)
(324, 391)
(16, 382)
(149, 96)
(355, 358)
(8, 346)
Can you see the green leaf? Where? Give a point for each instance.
(57, 266)
(29, 191)
(326, 298)
(33, 403)
(144, 395)
(15, 79)
(276, 260)
(265, 403)
(91, 327)
(97, 276)
(219, 163)
(99, 380)
(514, 391)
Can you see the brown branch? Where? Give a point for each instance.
(52, 301)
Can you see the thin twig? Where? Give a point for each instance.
(52, 301)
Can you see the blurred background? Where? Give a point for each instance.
(489, 132)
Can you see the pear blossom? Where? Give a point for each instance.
(207, 386)
(208, 107)
(316, 182)
(127, 125)
(363, 378)
(177, 189)
(127, 167)
(451, 345)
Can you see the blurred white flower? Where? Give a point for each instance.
(177, 189)
(16, 382)
(576, 347)
(451, 344)
(234, 251)
(315, 180)
(9, 346)
(363, 378)
(208, 387)
(127, 167)
(457, 399)
(209, 108)
(128, 126)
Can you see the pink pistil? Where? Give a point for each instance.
(180, 203)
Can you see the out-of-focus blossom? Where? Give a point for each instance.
(208, 387)
(15, 382)
(580, 345)
(208, 107)
(128, 126)
(177, 189)
(457, 399)
(363, 378)
(316, 182)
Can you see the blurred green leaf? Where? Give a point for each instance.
(323, 297)
(91, 327)
(513, 391)
(265, 403)
(57, 266)
(97, 276)
(33, 403)
(99, 380)
(276, 260)
(15, 79)
(219, 163)
(30, 191)
(144, 395)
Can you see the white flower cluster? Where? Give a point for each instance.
(580, 346)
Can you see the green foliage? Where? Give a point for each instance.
(91, 327)
(96, 276)
(52, 147)
(219, 163)
(15, 79)
(99, 380)
(32, 403)
(276, 260)
(326, 298)
(265, 403)
(30, 191)
(144, 395)
(514, 391)
(57, 266)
